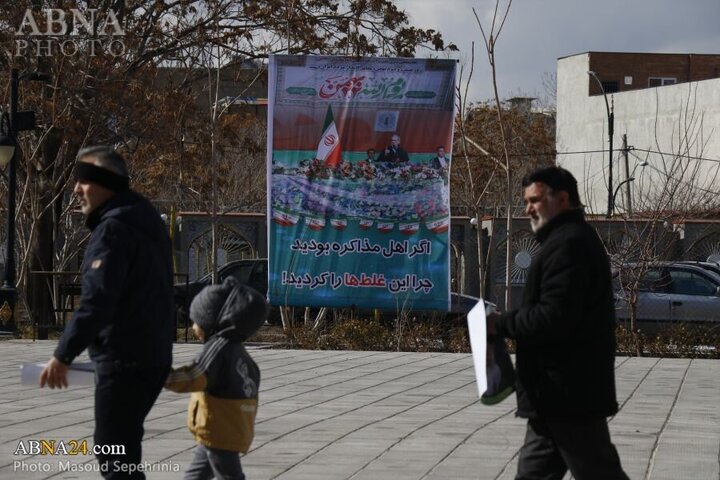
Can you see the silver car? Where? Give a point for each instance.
(668, 292)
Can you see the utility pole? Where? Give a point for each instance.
(628, 196)
(611, 128)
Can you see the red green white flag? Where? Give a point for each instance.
(329, 147)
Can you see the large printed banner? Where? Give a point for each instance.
(358, 191)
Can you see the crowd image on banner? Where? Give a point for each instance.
(356, 157)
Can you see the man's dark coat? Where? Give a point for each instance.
(565, 328)
(126, 311)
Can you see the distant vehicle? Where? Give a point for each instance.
(712, 266)
(250, 272)
(668, 292)
(254, 273)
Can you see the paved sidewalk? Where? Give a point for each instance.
(328, 415)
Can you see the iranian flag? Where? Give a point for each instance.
(409, 228)
(440, 225)
(329, 146)
(284, 218)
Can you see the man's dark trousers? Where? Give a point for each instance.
(581, 445)
(124, 394)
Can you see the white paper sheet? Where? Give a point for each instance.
(78, 374)
(478, 344)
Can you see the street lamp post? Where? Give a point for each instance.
(617, 189)
(611, 129)
(8, 294)
(10, 125)
(627, 181)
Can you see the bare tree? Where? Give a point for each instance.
(497, 143)
(669, 189)
(141, 97)
(490, 38)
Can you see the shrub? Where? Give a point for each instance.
(400, 334)
(677, 340)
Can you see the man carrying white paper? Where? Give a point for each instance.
(500, 371)
(126, 313)
(494, 373)
(565, 336)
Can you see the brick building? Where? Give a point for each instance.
(666, 108)
(620, 72)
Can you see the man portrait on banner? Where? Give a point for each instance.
(440, 161)
(366, 167)
(394, 154)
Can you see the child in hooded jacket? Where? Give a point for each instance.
(224, 379)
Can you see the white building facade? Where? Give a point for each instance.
(674, 131)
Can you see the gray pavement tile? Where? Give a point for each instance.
(375, 416)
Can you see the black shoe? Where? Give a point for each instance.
(500, 374)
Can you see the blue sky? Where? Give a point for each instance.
(538, 32)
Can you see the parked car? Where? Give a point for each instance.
(668, 292)
(712, 266)
(250, 272)
(254, 273)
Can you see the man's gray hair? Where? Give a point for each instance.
(105, 157)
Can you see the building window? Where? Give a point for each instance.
(610, 87)
(661, 81)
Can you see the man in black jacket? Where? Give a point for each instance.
(565, 336)
(394, 155)
(440, 162)
(126, 313)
